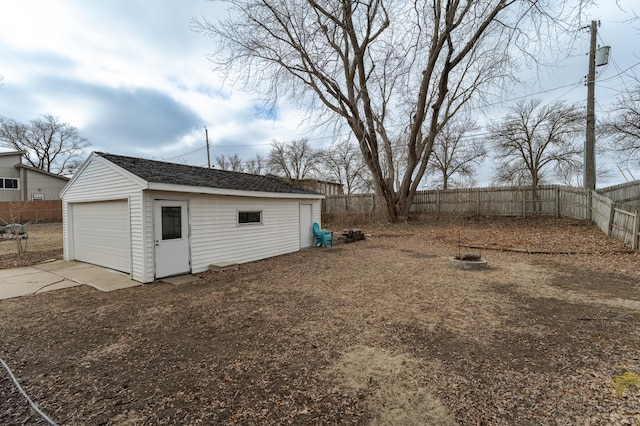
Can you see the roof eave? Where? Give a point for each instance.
(40, 171)
(135, 178)
(230, 192)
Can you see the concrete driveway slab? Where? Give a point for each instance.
(30, 281)
(59, 274)
(58, 265)
(5, 274)
(100, 278)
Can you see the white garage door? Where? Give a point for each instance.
(101, 234)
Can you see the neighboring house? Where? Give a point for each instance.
(19, 182)
(322, 186)
(153, 219)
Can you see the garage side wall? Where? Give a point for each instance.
(100, 181)
(217, 236)
(148, 237)
(316, 211)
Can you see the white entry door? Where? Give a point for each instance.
(306, 225)
(171, 232)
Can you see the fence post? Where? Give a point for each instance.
(636, 229)
(524, 203)
(612, 212)
(589, 202)
(557, 191)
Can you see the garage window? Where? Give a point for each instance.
(249, 217)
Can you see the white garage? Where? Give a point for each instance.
(101, 233)
(153, 219)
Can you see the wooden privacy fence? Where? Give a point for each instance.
(624, 227)
(626, 195)
(353, 203)
(507, 201)
(44, 211)
(615, 213)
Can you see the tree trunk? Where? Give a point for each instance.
(534, 192)
(398, 206)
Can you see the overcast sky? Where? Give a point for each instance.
(134, 79)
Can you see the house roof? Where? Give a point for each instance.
(44, 172)
(11, 153)
(181, 174)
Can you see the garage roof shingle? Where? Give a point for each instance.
(182, 174)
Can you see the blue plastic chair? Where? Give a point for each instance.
(321, 236)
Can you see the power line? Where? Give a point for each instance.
(243, 145)
(621, 72)
(570, 86)
(188, 153)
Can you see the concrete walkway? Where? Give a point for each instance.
(59, 274)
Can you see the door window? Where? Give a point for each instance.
(171, 222)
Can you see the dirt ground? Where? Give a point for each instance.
(44, 242)
(381, 331)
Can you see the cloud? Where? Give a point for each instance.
(132, 77)
(127, 120)
(116, 119)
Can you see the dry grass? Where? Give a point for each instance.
(41, 238)
(380, 331)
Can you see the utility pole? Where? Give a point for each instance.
(206, 136)
(590, 142)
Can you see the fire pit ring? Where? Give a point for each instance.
(468, 262)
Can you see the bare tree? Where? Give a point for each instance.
(236, 163)
(623, 128)
(258, 165)
(570, 175)
(388, 70)
(47, 143)
(296, 160)
(342, 162)
(230, 162)
(222, 162)
(535, 142)
(457, 152)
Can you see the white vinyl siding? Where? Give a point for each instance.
(100, 180)
(148, 238)
(136, 228)
(315, 212)
(216, 236)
